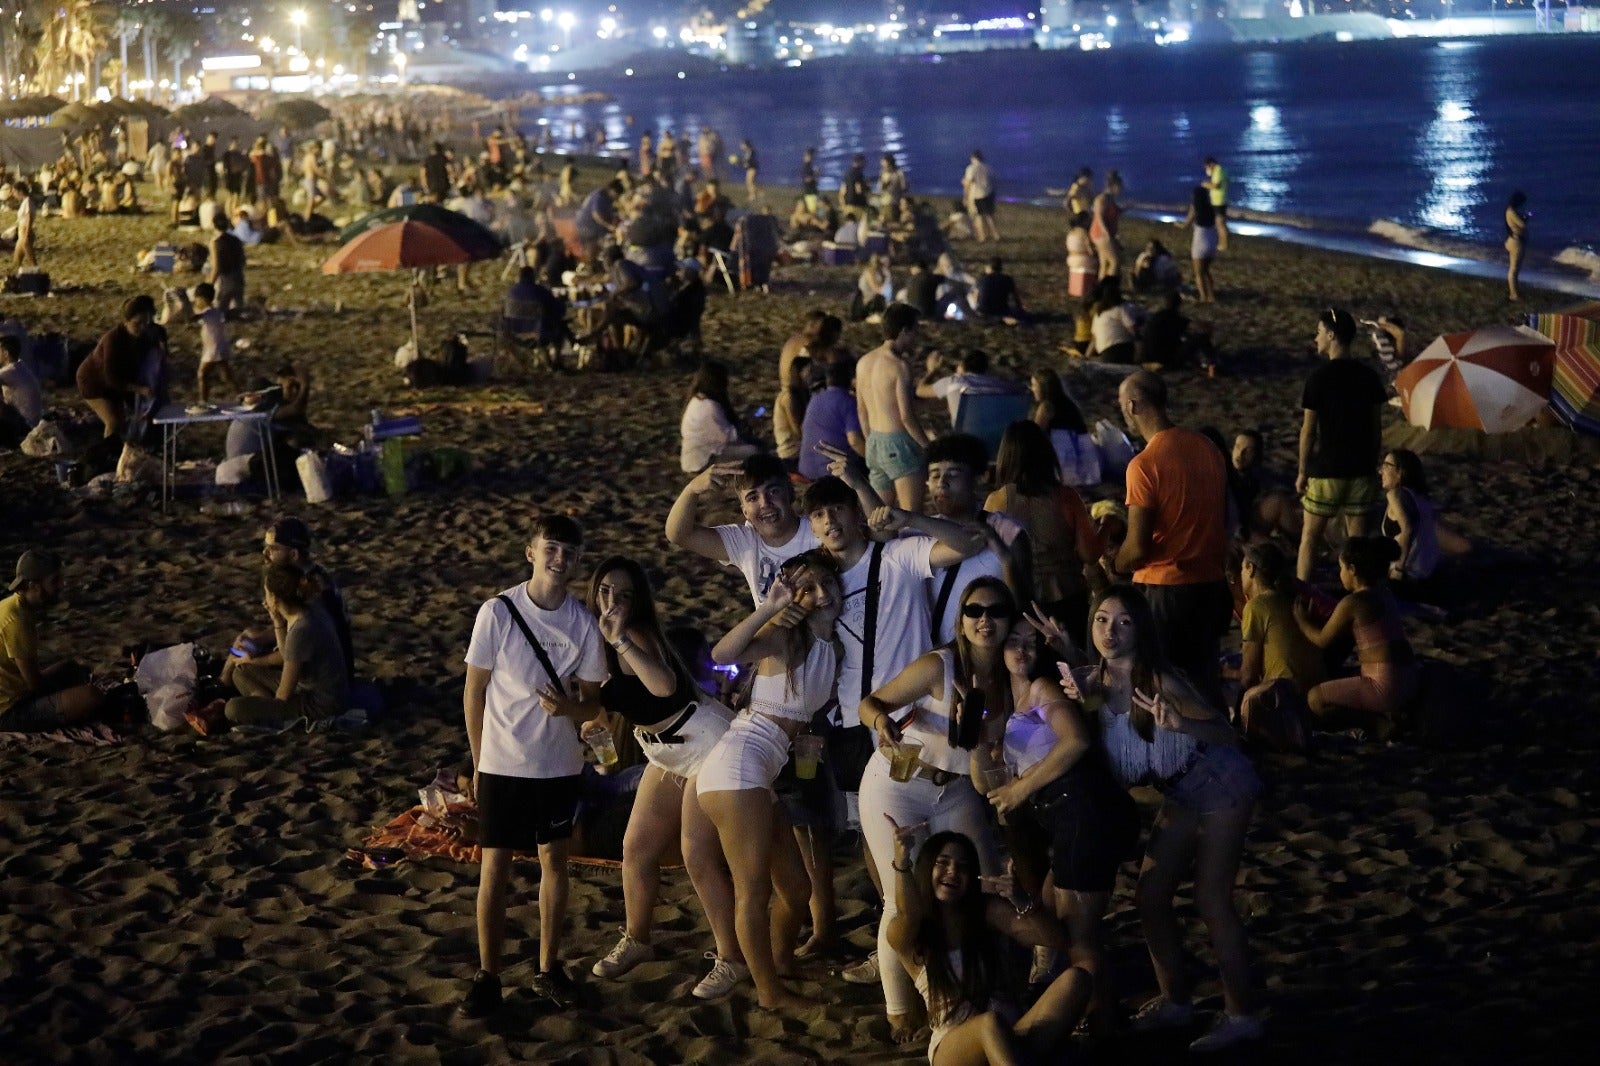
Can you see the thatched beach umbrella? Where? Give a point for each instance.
(30, 107)
(297, 113)
(212, 107)
(74, 114)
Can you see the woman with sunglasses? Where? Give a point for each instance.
(676, 726)
(956, 693)
(791, 639)
(1157, 730)
(1062, 810)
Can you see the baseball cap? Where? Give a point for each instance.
(291, 532)
(36, 564)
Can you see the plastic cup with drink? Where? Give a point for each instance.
(807, 754)
(903, 759)
(605, 749)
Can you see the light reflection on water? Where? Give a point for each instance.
(1431, 134)
(1454, 147)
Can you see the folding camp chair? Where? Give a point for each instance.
(720, 268)
(986, 415)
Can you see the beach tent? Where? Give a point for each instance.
(1575, 387)
(1494, 379)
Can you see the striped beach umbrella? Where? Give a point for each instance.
(1494, 379)
(1575, 387)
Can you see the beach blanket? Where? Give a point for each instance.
(98, 735)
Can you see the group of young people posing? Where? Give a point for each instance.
(989, 770)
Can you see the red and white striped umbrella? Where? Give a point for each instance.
(1495, 379)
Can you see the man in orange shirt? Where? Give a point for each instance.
(1177, 540)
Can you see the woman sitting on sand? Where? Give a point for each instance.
(1278, 666)
(313, 683)
(1387, 682)
(1409, 518)
(1115, 324)
(946, 929)
(676, 725)
(791, 639)
(1059, 415)
(1066, 548)
(709, 430)
(921, 775)
(1157, 730)
(1058, 800)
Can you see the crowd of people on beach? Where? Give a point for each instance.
(969, 656)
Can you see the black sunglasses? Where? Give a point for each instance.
(986, 610)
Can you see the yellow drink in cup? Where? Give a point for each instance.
(903, 760)
(807, 754)
(605, 750)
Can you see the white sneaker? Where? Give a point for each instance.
(862, 973)
(1227, 1030)
(625, 956)
(1162, 1013)
(724, 975)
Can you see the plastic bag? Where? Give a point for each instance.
(1079, 457)
(314, 477)
(45, 440)
(166, 679)
(1115, 447)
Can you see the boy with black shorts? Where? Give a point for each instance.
(534, 669)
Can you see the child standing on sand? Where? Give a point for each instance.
(215, 347)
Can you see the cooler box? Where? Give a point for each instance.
(1081, 283)
(408, 426)
(839, 254)
(875, 243)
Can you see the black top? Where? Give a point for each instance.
(1346, 395)
(922, 292)
(626, 695)
(997, 294)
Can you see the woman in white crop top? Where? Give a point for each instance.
(942, 685)
(791, 639)
(1158, 730)
(946, 930)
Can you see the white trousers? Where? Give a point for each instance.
(956, 807)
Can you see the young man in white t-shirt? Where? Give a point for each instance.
(955, 474)
(523, 706)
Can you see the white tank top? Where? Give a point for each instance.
(800, 696)
(930, 725)
(1135, 761)
(941, 1015)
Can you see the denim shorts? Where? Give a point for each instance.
(1221, 778)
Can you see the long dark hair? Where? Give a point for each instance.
(1149, 662)
(643, 611)
(1064, 410)
(980, 966)
(711, 381)
(1027, 460)
(1409, 466)
(998, 683)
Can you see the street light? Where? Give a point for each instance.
(566, 20)
(298, 17)
(400, 65)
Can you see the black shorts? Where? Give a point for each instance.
(850, 748)
(983, 206)
(522, 813)
(1089, 839)
(1221, 210)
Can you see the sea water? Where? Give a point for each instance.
(1419, 141)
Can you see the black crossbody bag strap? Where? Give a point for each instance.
(946, 587)
(869, 629)
(533, 642)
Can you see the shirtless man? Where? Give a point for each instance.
(884, 393)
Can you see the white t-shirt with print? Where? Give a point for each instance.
(758, 560)
(985, 564)
(519, 738)
(902, 617)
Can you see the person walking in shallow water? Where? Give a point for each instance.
(1516, 240)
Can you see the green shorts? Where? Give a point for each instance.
(891, 456)
(1329, 497)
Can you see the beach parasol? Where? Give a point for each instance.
(212, 107)
(1494, 379)
(296, 113)
(1575, 386)
(406, 245)
(470, 234)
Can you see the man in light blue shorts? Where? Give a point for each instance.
(891, 456)
(886, 406)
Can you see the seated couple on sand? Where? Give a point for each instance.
(302, 666)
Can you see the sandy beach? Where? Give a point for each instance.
(175, 898)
